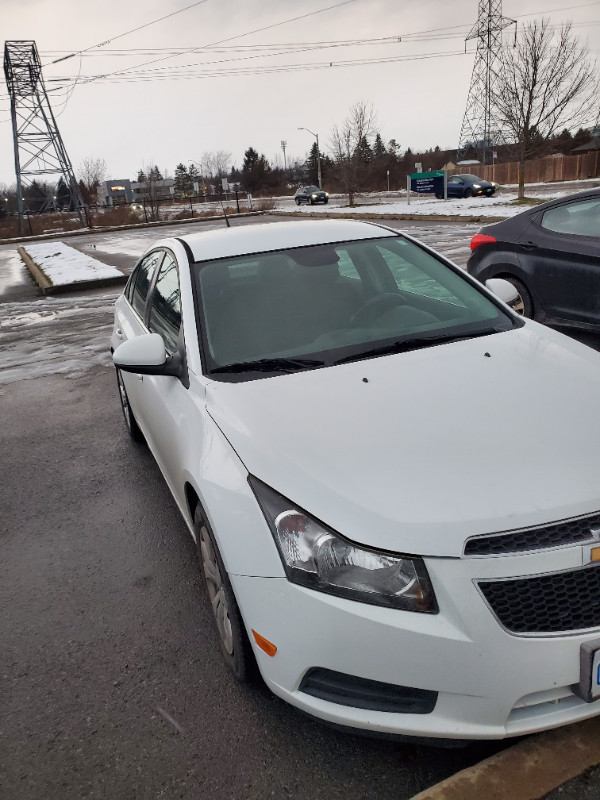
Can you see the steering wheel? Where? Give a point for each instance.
(375, 307)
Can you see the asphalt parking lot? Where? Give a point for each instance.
(112, 681)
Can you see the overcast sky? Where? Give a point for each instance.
(182, 105)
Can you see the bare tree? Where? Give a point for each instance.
(151, 191)
(350, 147)
(546, 82)
(216, 165)
(92, 171)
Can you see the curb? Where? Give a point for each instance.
(528, 770)
(47, 287)
(413, 217)
(44, 237)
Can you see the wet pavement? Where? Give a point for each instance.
(112, 683)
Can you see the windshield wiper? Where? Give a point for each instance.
(270, 365)
(414, 343)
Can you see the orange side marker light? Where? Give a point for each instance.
(269, 648)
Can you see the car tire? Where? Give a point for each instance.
(233, 639)
(439, 196)
(468, 193)
(524, 304)
(130, 421)
(311, 201)
(326, 200)
(297, 201)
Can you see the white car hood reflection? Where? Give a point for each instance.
(417, 451)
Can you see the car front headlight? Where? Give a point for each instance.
(317, 557)
(477, 186)
(314, 195)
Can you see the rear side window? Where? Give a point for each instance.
(578, 219)
(165, 308)
(143, 278)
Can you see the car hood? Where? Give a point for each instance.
(417, 451)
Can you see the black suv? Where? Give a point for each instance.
(310, 194)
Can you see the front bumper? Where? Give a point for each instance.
(491, 684)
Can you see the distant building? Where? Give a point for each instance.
(117, 192)
(163, 190)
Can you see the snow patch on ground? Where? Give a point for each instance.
(64, 265)
(467, 207)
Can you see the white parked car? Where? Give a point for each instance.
(393, 480)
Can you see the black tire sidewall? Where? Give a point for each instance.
(528, 308)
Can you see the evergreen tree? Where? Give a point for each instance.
(256, 171)
(141, 176)
(364, 150)
(183, 183)
(379, 150)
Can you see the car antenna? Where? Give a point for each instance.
(225, 215)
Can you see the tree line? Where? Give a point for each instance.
(547, 86)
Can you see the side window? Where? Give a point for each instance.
(143, 279)
(165, 310)
(578, 219)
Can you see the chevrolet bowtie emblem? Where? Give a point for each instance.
(591, 552)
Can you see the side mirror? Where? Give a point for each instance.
(503, 289)
(146, 355)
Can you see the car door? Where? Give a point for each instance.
(562, 248)
(162, 403)
(130, 315)
(455, 186)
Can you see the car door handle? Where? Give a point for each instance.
(528, 245)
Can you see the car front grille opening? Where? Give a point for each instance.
(349, 690)
(557, 602)
(556, 534)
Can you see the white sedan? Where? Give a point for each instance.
(392, 479)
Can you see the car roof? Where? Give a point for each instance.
(588, 194)
(529, 213)
(265, 237)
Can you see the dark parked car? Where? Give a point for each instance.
(551, 255)
(469, 186)
(310, 194)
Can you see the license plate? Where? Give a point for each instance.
(588, 687)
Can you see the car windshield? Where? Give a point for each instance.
(312, 189)
(471, 177)
(321, 305)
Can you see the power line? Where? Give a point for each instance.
(229, 39)
(126, 33)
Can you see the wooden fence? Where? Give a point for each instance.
(541, 170)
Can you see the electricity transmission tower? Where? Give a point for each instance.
(477, 128)
(39, 149)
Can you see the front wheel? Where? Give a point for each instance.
(523, 305)
(235, 645)
(468, 193)
(130, 421)
(326, 200)
(439, 196)
(297, 201)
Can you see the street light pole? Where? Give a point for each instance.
(316, 135)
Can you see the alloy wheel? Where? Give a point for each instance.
(216, 590)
